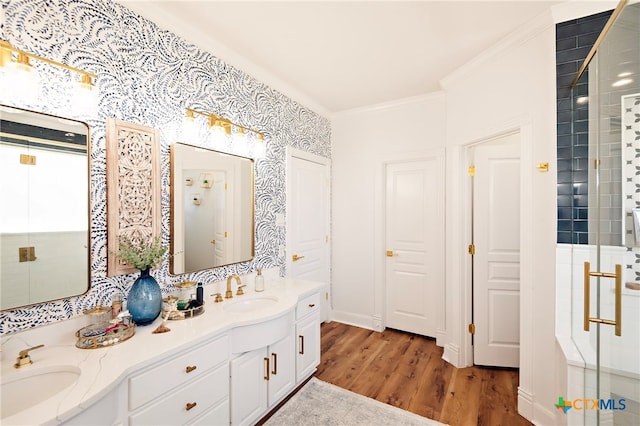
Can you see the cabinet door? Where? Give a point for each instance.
(282, 375)
(248, 386)
(308, 350)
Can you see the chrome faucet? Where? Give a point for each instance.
(229, 294)
(24, 358)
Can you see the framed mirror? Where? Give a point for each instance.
(212, 209)
(44, 214)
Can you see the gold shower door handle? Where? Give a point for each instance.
(295, 257)
(618, 295)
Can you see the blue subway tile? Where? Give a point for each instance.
(565, 165)
(565, 177)
(581, 200)
(567, 43)
(565, 213)
(565, 237)
(565, 201)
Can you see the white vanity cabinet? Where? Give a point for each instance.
(307, 336)
(263, 369)
(192, 388)
(260, 379)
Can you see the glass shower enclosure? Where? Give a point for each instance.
(606, 272)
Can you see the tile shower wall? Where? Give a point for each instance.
(574, 40)
(147, 75)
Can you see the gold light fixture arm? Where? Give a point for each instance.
(217, 120)
(7, 49)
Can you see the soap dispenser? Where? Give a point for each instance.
(259, 284)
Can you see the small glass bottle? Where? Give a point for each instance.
(259, 283)
(116, 305)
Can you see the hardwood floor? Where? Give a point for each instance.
(408, 371)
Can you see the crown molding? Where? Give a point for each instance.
(390, 104)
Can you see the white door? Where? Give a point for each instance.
(308, 220)
(496, 263)
(219, 194)
(414, 244)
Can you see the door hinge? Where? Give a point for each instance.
(472, 328)
(27, 159)
(225, 234)
(226, 186)
(326, 238)
(471, 171)
(472, 249)
(326, 295)
(27, 254)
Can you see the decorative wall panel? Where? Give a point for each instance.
(631, 181)
(147, 75)
(133, 188)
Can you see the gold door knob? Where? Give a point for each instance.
(295, 257)
(390, 253)
(213, 241)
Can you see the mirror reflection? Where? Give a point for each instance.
(212, 208)
(44, 214)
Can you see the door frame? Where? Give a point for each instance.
(467, 216)
(292, 153)
(528, 172)
(380, 260)
(471, 211)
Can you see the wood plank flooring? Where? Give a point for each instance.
(407, 371)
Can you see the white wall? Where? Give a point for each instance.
(510, 88)
(361, 141)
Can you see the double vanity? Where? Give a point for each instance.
(230, 365)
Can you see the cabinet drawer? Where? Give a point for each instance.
(217, 416)
(184, 404)
(307, 305)
(174, 372)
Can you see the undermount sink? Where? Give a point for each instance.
(24, 389)
(249, 304)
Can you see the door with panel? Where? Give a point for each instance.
(496, 254)
(415, 244)
(308, 220)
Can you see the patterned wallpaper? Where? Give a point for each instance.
(147, 75)
(631, 180)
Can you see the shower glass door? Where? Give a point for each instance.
(606, 290)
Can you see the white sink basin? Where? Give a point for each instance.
(31, 385)
(250, 304)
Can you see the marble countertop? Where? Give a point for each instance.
(102, 369)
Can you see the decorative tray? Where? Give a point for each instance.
(184, 314)
(103, 334)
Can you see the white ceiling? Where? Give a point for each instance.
(340, 55)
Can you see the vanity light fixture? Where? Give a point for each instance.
(221, 129)
(21, 82)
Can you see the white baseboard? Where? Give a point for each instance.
(441, 337)
(451, 354)
(525, 404)
(362, 321)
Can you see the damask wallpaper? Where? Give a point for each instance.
(147, 75)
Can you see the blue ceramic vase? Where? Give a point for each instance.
(145, 299)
